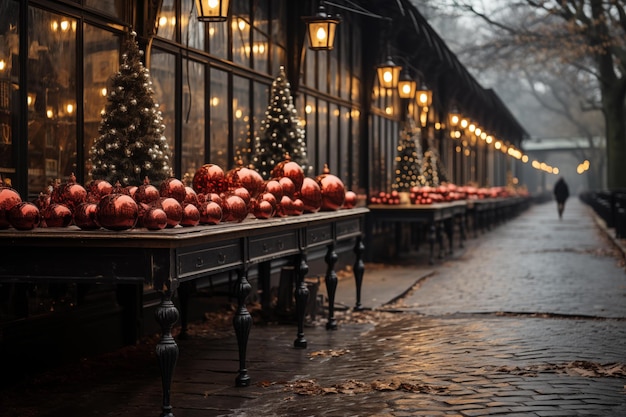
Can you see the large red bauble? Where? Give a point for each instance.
(191, 215)
(297, 207)
(210, 212)
(262, 209)
(173, 209)
(333, 190)
(215, 197)
(291, 170)
(117, 212)
(247, 178)
(57, 215)
(173, 188)
(85, 216)
(269, 197)
(311, 195)
(24, 216)
(285, 206)
(69, 194)
(154, 219)
(243, 193)
(147, 193)
(237, 209)
(98, 188)
(191, 197)
(8, 198)
(209, 178)
(350, 200)
(289, 188)
(274, 187)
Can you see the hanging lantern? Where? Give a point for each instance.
(454, 118)
(388, 73)
(424, 96)
(406, 85)
(321, 29)
(212, 10)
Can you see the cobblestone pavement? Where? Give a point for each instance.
(528, 320)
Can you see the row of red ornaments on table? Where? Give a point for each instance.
(216, 196)
(425, 195)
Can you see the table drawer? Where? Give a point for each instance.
(200, 260)
(318, 235)
(273, 245)
(348, 228)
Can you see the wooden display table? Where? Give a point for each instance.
(164, 259)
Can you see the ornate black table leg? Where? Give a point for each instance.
(449, 227)
(301, 295)
(331, 285)
(432, 236)
(359, 269)
(462, 225)
(184, 291)
(167, 349)
(440, 232)
(242, 322)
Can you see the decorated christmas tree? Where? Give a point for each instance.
(131, 145)
(409, 158)
(433, 172)
(281, 133)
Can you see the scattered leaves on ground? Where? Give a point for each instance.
(574, 368)
(332, 353)
(352, 387)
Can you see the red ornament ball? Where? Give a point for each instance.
(237, 209)
(210, 212)
(173, 209)
(209, 178)
(154, 219)
(117, 212)
(85, 216)
(289, 188)
(24, 216)
(297, 207)
(247, 178)
(262, 209)
(97, 189)
(311, 195)
(333, 190)
(243, 193)
(291, 170)
(8, 198)
(274, 187)
(350, 200)
(69, 194)
(173, 188)
(57, 215)
(191, 215)
(147, 193)
(191, 197)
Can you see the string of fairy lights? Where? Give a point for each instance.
(460, 126)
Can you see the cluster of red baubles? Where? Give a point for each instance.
(443, 193)
(215, 196)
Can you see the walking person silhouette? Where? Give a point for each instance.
(561, 193)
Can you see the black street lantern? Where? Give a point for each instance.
(388, 73)
(321, 29)
(406, 85)
(212, 10)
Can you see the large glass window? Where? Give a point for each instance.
(163, 75)
(115, 8)
(218, 129)
(193, 124)
(52, 85)
(241, 120)
(9, 86)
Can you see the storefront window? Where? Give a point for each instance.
(218, 129)
(101, 51)
(115, 8)
(193, 117)
(261, 92)
(9, 99)
(192, 30)
(163, 75)
(52, 86)
(166, 25)
(240, 25)
(241, 120)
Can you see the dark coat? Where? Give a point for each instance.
(561, 190)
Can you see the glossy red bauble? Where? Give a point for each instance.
(8, 198)
(237, 209)
(247, 178)
(210, 212)
(97, 189)
(333, 190)
(191, 197)
(262, 209)
(70, 194)
(154, 219)
(173, 188)
(291, 170)
(274, 187)
(117, 212)
(289, 188)
(191, 215)
(85, 216)
(311, 195)
(147, 193)
(173, 209)
(209, 178)
(285, 206)
(24, 216)
(243, 193)
(270, 198)
(57, 215)
(297, 207)
(350, 200)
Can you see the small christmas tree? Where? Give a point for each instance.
(433, 172)
(280, 133)
(409, 158)
(131, 145)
